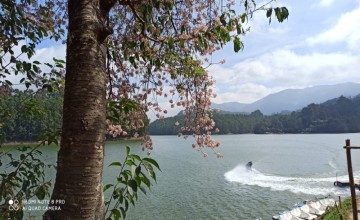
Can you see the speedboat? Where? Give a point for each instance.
(248, 165)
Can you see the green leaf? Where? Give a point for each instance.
(269, 12)
(182, 43)
(223, 20)
(116, 214)
(27, 84)
(246, 4)
(153, 175)
(137, 180)
(134, 156)
(106, 187)
(142, 189)
(281, 14)
(132, 61)
(127, 150)
(133, 185)
(133, 173)
(49, 65)
(130, 190)
(40, 193)
(123, 212)
(171, 42)
(130, 162)
(278, 14)
(58, 61)
(238, 27)
(284, 13)
(50, 88)
(150, 170)
(237, 44)
(138, 170)
(152, 161)
(199, 70)
(8, 82)
(25, 185)
(24, 49)
(145, 180)
(19, 214)
(244, 17)
(125, 175)
(115, 164)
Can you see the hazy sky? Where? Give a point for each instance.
(319, 44)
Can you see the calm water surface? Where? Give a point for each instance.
(286, 169)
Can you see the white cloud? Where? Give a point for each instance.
(326, 3)
(254, 78)
(287, 68)
(222, 75)
(278, 30)
(46, 55)
(346, 30)
(245, 93)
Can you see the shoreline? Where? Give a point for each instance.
(22, 143)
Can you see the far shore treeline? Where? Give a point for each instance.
(24, 115)
(340, 115)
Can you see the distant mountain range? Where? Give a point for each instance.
(339, 115)
(292, 99)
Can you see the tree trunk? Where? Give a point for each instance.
(80, 159)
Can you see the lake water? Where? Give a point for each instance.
(286, 169)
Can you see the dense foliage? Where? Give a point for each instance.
(23, 179)
(24, 115)
(340, 115)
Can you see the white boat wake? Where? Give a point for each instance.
(312, 186)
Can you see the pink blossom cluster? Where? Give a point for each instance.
(115, 130)
(147, 144)
(131, 122)
(157, 60)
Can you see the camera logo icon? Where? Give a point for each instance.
(14, 205)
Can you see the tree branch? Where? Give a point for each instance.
(136, 13)
(104, 32)
(128, 2)
(143, 32)
(107, 5)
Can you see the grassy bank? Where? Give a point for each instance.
(344, 210)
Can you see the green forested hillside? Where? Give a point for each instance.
(340, 115)
(25, 114)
